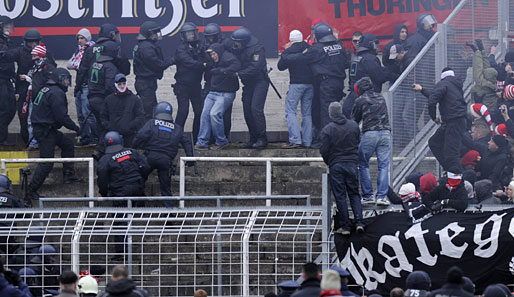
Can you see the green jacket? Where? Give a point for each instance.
(485, 87)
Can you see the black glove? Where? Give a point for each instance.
(472, 46)
(76, 129)
(12, 277)
(76, 90)
(480, 44)
(438, 206)
(190, 163)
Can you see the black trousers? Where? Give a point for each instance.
(48, 139)
(21, 90)
(254, 98)
(316, 121)
(7, 107)
(146, 88)
(330, 90)
(446, 143)
(96, 104)
(162, 163)
(344, 181)
(186, 94)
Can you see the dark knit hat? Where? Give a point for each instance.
(500, 141)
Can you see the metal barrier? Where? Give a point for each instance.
(225, 251)
(408, 109)
(91, 175)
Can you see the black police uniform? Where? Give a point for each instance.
(365, 63)
(101, 84)
(7, 100)
(124, 113)
(8, 200)
(253, 75)
(160, 139)
(149, 66)
(50, 113)
(190, 61)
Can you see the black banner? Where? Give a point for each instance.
(481, 244)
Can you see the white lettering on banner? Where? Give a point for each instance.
(417, 233)
(399, 255)
(19, 9)
(99, 10)
(236, 9)
(363, 257)
(348, 264)
(46, 14)
(179, 16)
(203, 12)
(492, 241)
(448, 248)
(75, 9)
(151, 10)
(127, 9)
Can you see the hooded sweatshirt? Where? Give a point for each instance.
(223, 73)
(396, 40)
(484, 192)
(340, 141)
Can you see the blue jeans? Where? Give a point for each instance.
(212, 117)
(89, 129)
(299, 93)
(371, 142)
(33, 142)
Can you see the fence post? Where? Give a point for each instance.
(3, 167)
(91, 183)
(75, 243)
(503, 26)
(268, 182)
(326, 217)
(441, 55)
(388, 96)
(246, 253)
(182, 182)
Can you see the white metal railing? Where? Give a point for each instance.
(91, 175)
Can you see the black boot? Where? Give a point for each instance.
(70, 177)
(260, 144)
(29, 196)
(248, 145)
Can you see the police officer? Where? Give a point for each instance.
(107, 33)
(425, 23)
(190, 59)
(123, 111)
(23, 58)
(365, 63)
(213, 34)
(160, 138)
(149, 64)
(329, 62)
(121, 171)
(46, 267)
(7, 74)
(101, 84)
(7, 200)
(253, 75)
(287, 288)
(49, 114)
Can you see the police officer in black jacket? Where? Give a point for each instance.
(101, 84)
(445, 144)
(107, 33)
(23, 58)
(365, 63)
(425, 23)
(160, 138)
(123, 111)
(50, 113)
(329, 62)
(190, 59)
(7, 75)
(253, 75)
(8, 200)
(149, 64)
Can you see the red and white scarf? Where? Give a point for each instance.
(75, 60)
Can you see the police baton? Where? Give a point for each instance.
(83, 123)
(194, 153)
(271, 83)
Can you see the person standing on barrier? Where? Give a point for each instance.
(122, 285)
(370, 108)
(340, 151)
(190, 59)
(149, 64)
(49, 114)
(160, 139)
(254, 76)
(446, 143)
(7, 76)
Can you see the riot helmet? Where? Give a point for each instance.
(163, 111)
(189, 32)
(241, 37)
(7, 25)
(212, 33)
(426, 21)
(110, 50)
(60, 77)
(110, 31)
(5, 183)
(113, 142)
(323, 33)
(31, 38)
(147, 29)
(46, 255)
(368, 42)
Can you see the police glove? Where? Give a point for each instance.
(438, 206)
(480, 44)
(190, 163)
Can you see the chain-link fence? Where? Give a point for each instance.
(227, 252)
(412, 127)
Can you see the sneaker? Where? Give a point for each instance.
(383, 202)
(83, 142)
(260, 144)
(291, 146)
(201, 147)
(342, 231)
(216, 147)
(368, 200)
(316, 145)
(359, 229)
